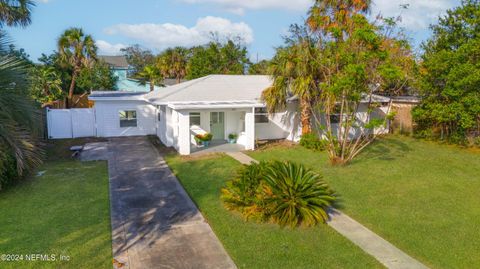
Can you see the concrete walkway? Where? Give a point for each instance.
(155, 224)
(386, 253)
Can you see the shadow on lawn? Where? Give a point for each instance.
(386, 149)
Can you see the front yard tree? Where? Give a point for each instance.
(77, 51)
(450, 76)
(294, 69)
(333, 66)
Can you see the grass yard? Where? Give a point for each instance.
(421, 196)
(253, 245)
(64, 212)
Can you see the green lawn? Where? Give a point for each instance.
(64, 212)
(421, 196)
(253, 245)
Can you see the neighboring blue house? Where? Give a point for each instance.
(120, 68)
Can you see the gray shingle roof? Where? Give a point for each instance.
(214, 88)
(115, 61)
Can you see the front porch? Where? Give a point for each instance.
(216, 146)
(220, 120)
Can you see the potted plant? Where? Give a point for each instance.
(198, 139)
(232, 138)
(206, 138)
(203, 139)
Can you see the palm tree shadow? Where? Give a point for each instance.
(387, 149)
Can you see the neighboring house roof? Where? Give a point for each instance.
(406, 99)
(213, 88)
(116, 95)
(115, 61)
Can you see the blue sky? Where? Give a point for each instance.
(157, 24)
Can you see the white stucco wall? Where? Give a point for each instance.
(108, 119)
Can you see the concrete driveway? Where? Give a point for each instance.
(155, 224)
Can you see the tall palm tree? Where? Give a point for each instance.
(20, 120)
(15, 12)
(151, 75)
(76, 50)
(295, 74)
(173, 63)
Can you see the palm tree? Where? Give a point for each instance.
(173, 63)
(76, 50)
(15, 12)
(151, 75)
(295, 74)
(20, 124)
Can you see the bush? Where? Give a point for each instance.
(282, 192)
(311, 141)
(243, 193)
(8, 169)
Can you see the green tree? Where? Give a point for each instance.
(45, 83)
(173, 63)
(151, 75)
(138, 58)
(218, 58)
(450, 76)
(15, 12)
(294, 71)
(97, 76)
(358, 59)
(77, 51)
(259, 68)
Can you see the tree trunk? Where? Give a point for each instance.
(152, 86)
(178, 80)
(72, 87)
(305, 116)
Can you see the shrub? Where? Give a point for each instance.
(243, 193)
(232, 136)
(8, 169)
(311, 141)
(282, 192)
(297, 195)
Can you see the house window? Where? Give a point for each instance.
(128, 118)
(261, 115)
(195, 118)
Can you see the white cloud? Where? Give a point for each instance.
(105, 48)
(161, 36)
(419, 14)
(239, 7)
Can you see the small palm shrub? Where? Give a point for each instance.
(311, 141)
(297, 195)
(281, 192)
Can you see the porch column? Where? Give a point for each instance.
(250, 129)
(184, 132)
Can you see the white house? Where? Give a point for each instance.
(219, 104)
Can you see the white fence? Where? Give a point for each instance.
(71, 123)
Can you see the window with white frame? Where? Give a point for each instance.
(195, 118)
(261, 115)
(128, 118)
